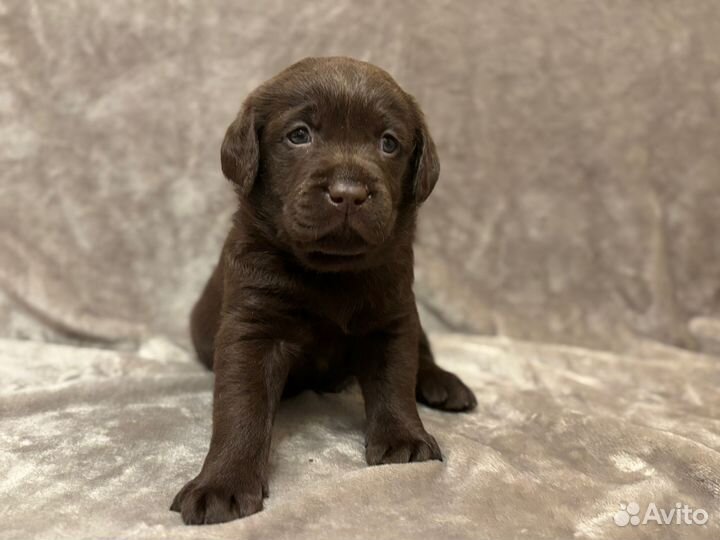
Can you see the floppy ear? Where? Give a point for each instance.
(240, 151)
(426, 163)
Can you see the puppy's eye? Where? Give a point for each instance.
(389, 144)
(299, 136)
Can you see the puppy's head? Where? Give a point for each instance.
(332, 158)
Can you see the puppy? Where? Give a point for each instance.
(330, 160)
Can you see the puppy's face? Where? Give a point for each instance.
(333, 159)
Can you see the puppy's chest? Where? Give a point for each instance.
(353, 312)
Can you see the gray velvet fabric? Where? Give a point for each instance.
(95, 443)
(578, 204)
(581, 179)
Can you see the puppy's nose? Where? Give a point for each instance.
(347, 195)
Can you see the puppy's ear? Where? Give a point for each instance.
(240, 151)
(425, 161)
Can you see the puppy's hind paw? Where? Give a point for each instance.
(443, 390)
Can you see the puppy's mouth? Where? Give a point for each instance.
(323, 258)
(336, 250)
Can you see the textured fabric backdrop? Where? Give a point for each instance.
(580, 191)
(95, 443)
(579, 203)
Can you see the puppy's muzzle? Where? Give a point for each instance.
(347, 196)
(343, 216)
(348, 188)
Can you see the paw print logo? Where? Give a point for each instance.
(627, 514)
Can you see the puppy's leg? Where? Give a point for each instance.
(205, 318)
(438, 388)
(250, 374)
(389, 363)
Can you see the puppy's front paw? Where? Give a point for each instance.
(399, 447)
(443, 390)
(204, 501)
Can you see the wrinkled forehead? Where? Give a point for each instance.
(331, 96)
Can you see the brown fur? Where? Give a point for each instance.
(310, 292)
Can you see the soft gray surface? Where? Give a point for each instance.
(579, 144)
(95, 443)
(578, 203)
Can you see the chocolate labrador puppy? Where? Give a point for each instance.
(330, 160)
